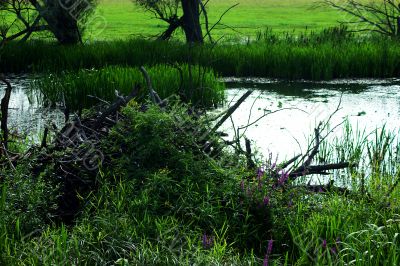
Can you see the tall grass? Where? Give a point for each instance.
(197, 85)
(314, 58)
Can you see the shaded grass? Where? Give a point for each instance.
(201, 88)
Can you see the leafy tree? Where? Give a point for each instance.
(382, 16)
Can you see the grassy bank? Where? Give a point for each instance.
(197, 85)
(314, 58)
(124, 19)
(185, 208)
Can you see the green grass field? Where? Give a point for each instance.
(124, 19)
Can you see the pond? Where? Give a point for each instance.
(365, 105)
(298, 108)
(26, 118)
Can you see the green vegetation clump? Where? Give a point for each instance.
(160, 199)
(194, 84)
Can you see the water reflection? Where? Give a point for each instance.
(366, 104)
(26, 117)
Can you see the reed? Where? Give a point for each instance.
(197, 85)
(313, 58)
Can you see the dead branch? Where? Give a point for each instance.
(250, 162)
(116, 106)
(230, 111)
(383, 17)
(4, 113)
(152, 93)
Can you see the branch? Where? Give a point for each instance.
(230, 111)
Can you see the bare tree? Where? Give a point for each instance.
(18, 19)
(65, 19)
(382, 16)
(167, 10)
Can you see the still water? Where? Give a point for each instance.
(366, 105)
(26, 118)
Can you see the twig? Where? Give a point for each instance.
(153, 94)
(230, 111)
(116, 106)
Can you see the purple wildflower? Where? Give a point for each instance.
(333, 251)
(269, 250)
(324, 243)
(283, 178)
(249, 192)
(265, 263)
(207, 241)
(266, 201)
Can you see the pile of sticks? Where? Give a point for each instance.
(75, 158)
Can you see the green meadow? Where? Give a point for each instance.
(124, 19)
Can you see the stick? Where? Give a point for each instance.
(116, 106)
(317, 169)
(4, 112)
(153, 94)
(230, 111)
(250, 162)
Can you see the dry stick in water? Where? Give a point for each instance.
(4, 113)
(230, 111)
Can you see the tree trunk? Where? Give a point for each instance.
(191, 21)
(174, 23)
(61, 21)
